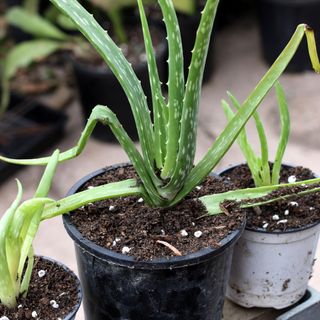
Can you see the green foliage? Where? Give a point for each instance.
(259, 166)
(166, 164)
(18, 227)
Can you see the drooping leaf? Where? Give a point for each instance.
(34, 24)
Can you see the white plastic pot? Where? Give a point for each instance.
(272, 269)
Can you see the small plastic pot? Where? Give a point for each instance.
(118, 287)
(72, 314)
(272, 269)
(98, 85)
(278, 20)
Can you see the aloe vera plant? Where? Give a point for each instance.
(259, 165)
(18, 228)
(165, 166)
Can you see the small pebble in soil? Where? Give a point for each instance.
(294, 204)
(112, 208)
(265, 226)
(275, 217)
(34, 314)
(198, 234)
(125, 250)
(282, 221)
(41, 273)
(4, 318)
(54, 304)
(198, 188)
(184, 233)
(163, 232)
(311, 208)
(292, 179)
(286, 212)
(140, 200)
(19, 306)
(193, 224)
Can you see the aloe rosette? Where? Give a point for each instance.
(165, 165)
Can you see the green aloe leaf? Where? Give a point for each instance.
(7, 284)
(243, 196)
(285, 132)
(34, 24)
(158, 102)
(187, 142)
(121, 68)
(175, 85)
(112, 190)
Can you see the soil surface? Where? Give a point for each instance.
(51, 296)
(292, 213)
(127, 225)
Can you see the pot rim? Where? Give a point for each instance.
(261, 230)
(125, 260)
(75, 309)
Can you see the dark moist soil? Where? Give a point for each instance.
(56, 284)
(128, 222)
(293, 213)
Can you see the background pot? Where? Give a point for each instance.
(117, 287)
(278, 20)
(272, 269)
(98, 85)
(26, 130)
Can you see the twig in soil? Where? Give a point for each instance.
(224, 209)
(171, 247)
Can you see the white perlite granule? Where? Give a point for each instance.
(54, 304)
(275, 217)
(4, 318)
(34, 314)
(125, 250)
(198, 234)
(41, 273)
(184, 233)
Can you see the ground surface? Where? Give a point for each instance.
(238, 68)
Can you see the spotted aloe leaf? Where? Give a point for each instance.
(253, 197)
(121, 68)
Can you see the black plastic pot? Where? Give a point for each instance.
(98, 85)
(27, 129)
(278, 20)
(73, 312)
(118, 287)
